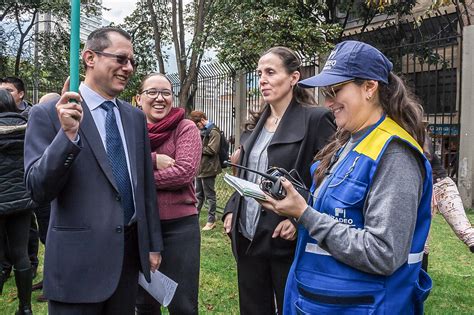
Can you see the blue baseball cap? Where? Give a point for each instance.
(351, 60)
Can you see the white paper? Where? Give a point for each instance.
(161, 287)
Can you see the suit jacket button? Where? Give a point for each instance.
(117, 198)
(119, 229)
(263, 212)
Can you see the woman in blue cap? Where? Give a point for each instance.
(360, 239)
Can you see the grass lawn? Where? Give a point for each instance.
(451, 267)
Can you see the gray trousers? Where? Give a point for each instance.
(205, 191)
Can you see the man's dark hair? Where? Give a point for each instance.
(196, 116)
(99, 40)
(17, 82)
(7, 103)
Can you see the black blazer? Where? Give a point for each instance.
(302, 132)
(85, 244)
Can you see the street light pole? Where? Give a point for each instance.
(36, 73)
(74, 45)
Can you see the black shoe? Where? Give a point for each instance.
(41, 298)
(23, 284)
(471, 248)
(6, 273)
(37, 286)
(24, 311)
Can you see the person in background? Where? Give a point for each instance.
(16, 87)
(361, 238)
(42, 212)
(287, 132)
(89, 154)
(210, 166)
(16, 206)
(448, 202)
(176, 153)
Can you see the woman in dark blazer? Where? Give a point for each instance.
(286, 133)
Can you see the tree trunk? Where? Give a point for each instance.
(23, 35)
(157, 36)
(188, 74)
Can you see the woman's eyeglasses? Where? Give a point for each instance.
(331, 91)
(154, 93)
(121, 59)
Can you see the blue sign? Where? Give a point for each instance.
(444, 129)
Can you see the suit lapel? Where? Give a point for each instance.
(129, 129)
(292, 127)
(89, 131)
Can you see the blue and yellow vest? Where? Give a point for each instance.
(319, 284)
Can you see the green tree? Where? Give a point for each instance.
(53, 60)
(244, 29)
(22, 17)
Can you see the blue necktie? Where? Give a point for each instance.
(118, 161)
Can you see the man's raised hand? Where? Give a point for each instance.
(70, 113)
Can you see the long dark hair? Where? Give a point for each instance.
(7, 103)
(292, 63)
(398, 103)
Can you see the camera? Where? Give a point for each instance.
(272, 184)
(271, 181)
(273, 187)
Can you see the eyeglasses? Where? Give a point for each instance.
(331, 91)
(121, 59)
(154, 93)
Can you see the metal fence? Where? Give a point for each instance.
(427, 54)
(35, 92)
(214, 95)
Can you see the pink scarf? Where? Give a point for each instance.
(160, 132)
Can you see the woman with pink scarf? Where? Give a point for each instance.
(176, 153)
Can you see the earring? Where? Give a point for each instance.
(369, 97)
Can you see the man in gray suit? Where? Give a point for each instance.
(89, 154)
